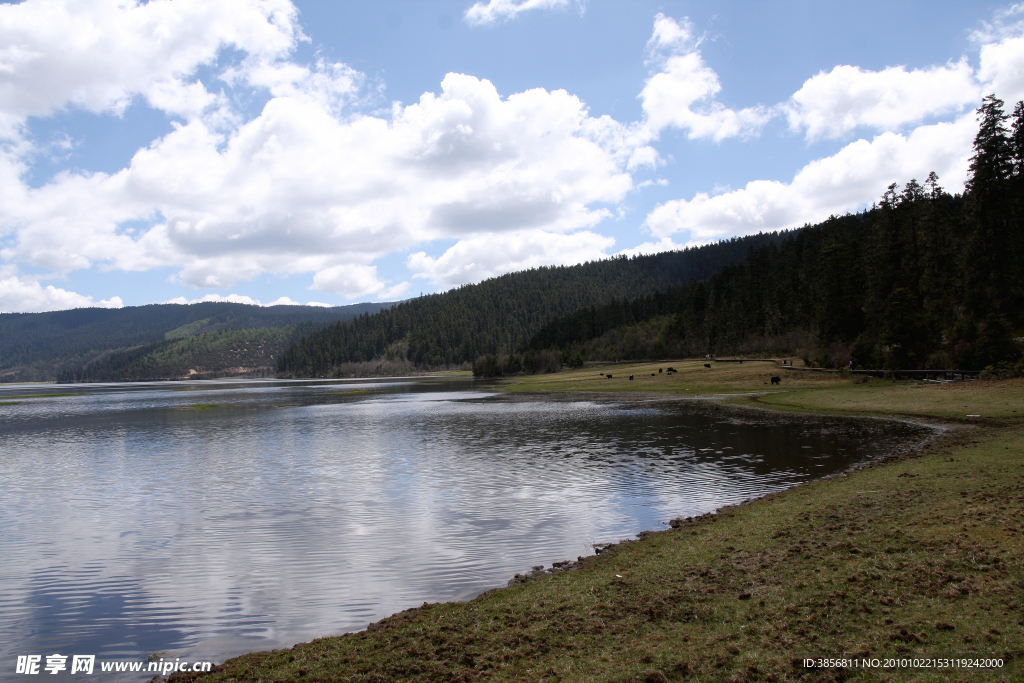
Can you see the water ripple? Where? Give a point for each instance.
(133, 522)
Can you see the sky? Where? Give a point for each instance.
(325, 153)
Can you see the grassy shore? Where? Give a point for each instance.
(919, 555)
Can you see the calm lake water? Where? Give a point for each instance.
(205, 520)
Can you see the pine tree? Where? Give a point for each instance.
(1017, 203)
(1017, 140)
(990, 240)
(992, 162)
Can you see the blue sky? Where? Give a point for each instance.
(332, 152)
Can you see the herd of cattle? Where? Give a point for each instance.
(775, 378)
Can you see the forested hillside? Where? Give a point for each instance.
(500, 314)
(922, 280)
(38, 346)
(234, 352)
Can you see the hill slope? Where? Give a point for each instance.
(39, 346)
(500, 314)
(236, 352)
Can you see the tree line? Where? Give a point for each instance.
(498, 315)
(923, 279)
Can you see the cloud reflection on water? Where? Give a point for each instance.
(133, 523)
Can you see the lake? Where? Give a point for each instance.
(203, 520)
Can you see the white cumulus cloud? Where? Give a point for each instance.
(355, 281)
(682, 92)
(301, 189)
(243, 299)
(842, 182)
(1001, 52)
(101, 54)
(482, 256)
(497, 11)
(833, 104)
(24, 294)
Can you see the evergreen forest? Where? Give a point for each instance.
(498, 315)
(922, 279)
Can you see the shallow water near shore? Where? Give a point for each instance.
(236, 516)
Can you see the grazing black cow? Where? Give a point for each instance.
(608, 376)
(776, 380)
(707, 365)
(659, 370)
(652, 374)
(631, 378)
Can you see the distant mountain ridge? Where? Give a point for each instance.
(40, 346)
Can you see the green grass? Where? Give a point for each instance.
(691, 377)
(749, 383)
(10, 403)
(959, 400)
(918, 555)
(203, 406)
